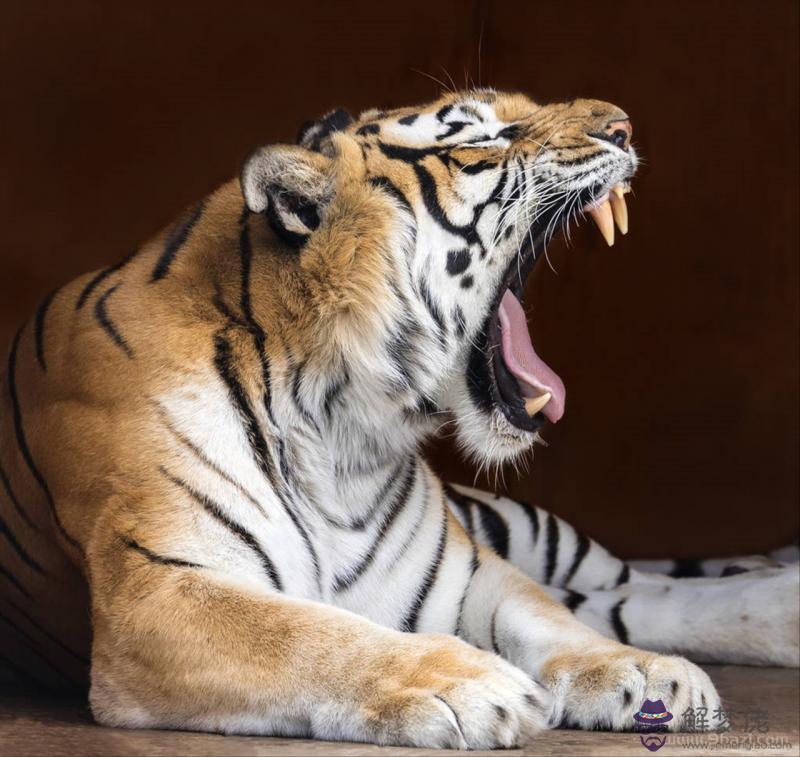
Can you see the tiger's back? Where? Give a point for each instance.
(77, 392)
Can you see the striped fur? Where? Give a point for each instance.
(210, 450)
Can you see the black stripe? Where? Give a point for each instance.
(443, 112)
(12, 579)
(475, 563)
(259, 336)
(101, 314)
(22, 442)
(510, 132)
(479, 167)
(493, 632)
(223, 360)
(283, 463)
(79, 657)
(453, 127)
(580, 148)
(580, 160)
(296, 382)
(27, 642)
(624, 575)
(574, 600)
(687, 568)
(176, 238)
(14, 501)
(38, 328)
(733, 570)
(433, 307)
(153, 557)
(100, 277)
(402, 351)
(408, 154)
(461, 323)
(471, 112)
(213, 509)
(367, 129)
(408, 120)
(345, 581)
(384, 183)
(533, 517)
(423, 512)
(425, 406)
(360, 523)
(218, 301)
(333, 392)
(463, 505)
(469, 232)
(495, 528)
(19, 549)
(410, 623)
(580, 552)
(189, 444)
(551, 553)
(430, 197)
(617, 623)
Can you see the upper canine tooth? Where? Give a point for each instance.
(604, 219)
(620, 212)
(535, 404)
(619, 190)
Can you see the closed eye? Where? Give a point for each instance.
(503, 138)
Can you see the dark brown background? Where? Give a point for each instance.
(678, 347)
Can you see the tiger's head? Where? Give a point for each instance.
(415, 230)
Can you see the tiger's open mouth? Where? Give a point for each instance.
(520, 383)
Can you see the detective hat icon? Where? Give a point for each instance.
(653, 713)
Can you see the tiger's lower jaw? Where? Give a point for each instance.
(506, 378)
(505, 374)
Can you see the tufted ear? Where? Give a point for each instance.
(312, 134)
(291, 186)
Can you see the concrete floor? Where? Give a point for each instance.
(765, 698)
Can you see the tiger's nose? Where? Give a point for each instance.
(619, 132)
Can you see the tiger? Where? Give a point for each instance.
(215, 512)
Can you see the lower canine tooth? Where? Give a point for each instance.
(535, 404)
(620, 211)
(604, 219)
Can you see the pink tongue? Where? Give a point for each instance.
(534, 375)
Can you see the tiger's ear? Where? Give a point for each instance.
(291, 186)
(312, 134)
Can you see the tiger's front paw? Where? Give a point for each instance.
(604, 689)
(439, 692)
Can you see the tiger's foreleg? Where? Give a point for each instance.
(597, 682)
(725, 618)
(180, 645)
